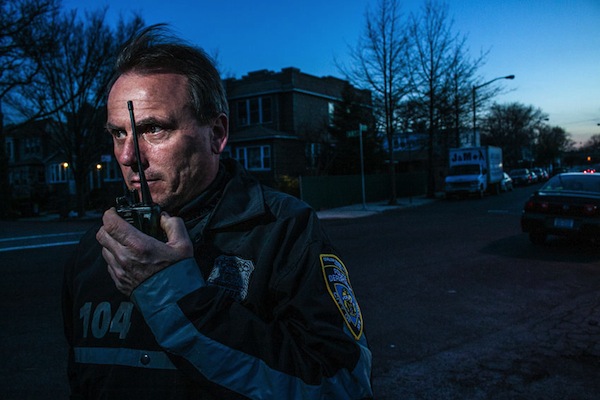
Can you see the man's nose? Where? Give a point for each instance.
(127, 154)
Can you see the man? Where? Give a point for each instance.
(245, 298)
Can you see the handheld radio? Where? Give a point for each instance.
(144, 214)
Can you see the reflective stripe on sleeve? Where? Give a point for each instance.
(123, 356)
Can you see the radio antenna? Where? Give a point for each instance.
(146, 197)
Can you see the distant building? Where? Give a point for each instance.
(28, 154)
(40, 177)
(410, 150)
(279, 120)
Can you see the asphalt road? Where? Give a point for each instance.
(457, 303)
(32, 346)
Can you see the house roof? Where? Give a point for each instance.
(259, 132)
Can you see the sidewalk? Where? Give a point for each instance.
(54, 217)
(351, 211)
(365, 210)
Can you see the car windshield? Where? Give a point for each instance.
(467, 169)
(573, 183)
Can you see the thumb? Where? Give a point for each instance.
(176, 232)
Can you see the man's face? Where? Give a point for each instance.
(180, 157)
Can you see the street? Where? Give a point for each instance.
(458, 304)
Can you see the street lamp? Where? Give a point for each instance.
(99, 174)
(475, 104)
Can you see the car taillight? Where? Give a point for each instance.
(589, 209)
(533, 205)
(530, 206)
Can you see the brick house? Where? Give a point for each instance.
(28, 155)
(279, 120)
(41, 178)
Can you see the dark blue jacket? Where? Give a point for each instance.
(264, 310)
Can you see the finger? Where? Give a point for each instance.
(120, 276)
(176, 232)
(122, 238)
(113, 251)
(120, 279)
(106, 240)
(117, 271)
(108, 256)
(117, 227)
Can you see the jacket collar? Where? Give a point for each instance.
(242, 200)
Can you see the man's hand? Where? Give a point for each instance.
(133, 256)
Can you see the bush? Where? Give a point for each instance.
(288, 184)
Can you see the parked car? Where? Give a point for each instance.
(521, 176)
(567, 205)
(541, 174)
(506, 184)
(588, 169)
(534, 177)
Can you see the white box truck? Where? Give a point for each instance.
(474, 171)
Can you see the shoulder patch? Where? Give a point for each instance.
(338, 285)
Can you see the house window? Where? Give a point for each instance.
(109, 168)
(266, 114)
(110, 171)
(313, 151)
(58, 173)
(254, 158)
(32, 145)
(254, 111)
(330, 112)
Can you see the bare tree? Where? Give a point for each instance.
(436, 53)
(592, 144)
(72, 86)
(461, 74)
(514, 127)
(348, 115)
(552, 141)
(25, 38)
(379, 64)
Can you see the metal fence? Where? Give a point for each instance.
(323, 192)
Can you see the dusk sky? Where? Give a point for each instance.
(551, 46)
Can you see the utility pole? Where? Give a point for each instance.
(361, 128)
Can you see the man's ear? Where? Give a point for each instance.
(220, 134)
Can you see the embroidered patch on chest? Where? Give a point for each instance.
(232, 274)
(338, 285)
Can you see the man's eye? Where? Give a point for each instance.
(153, 129)
(118, 134)
(154, 134)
